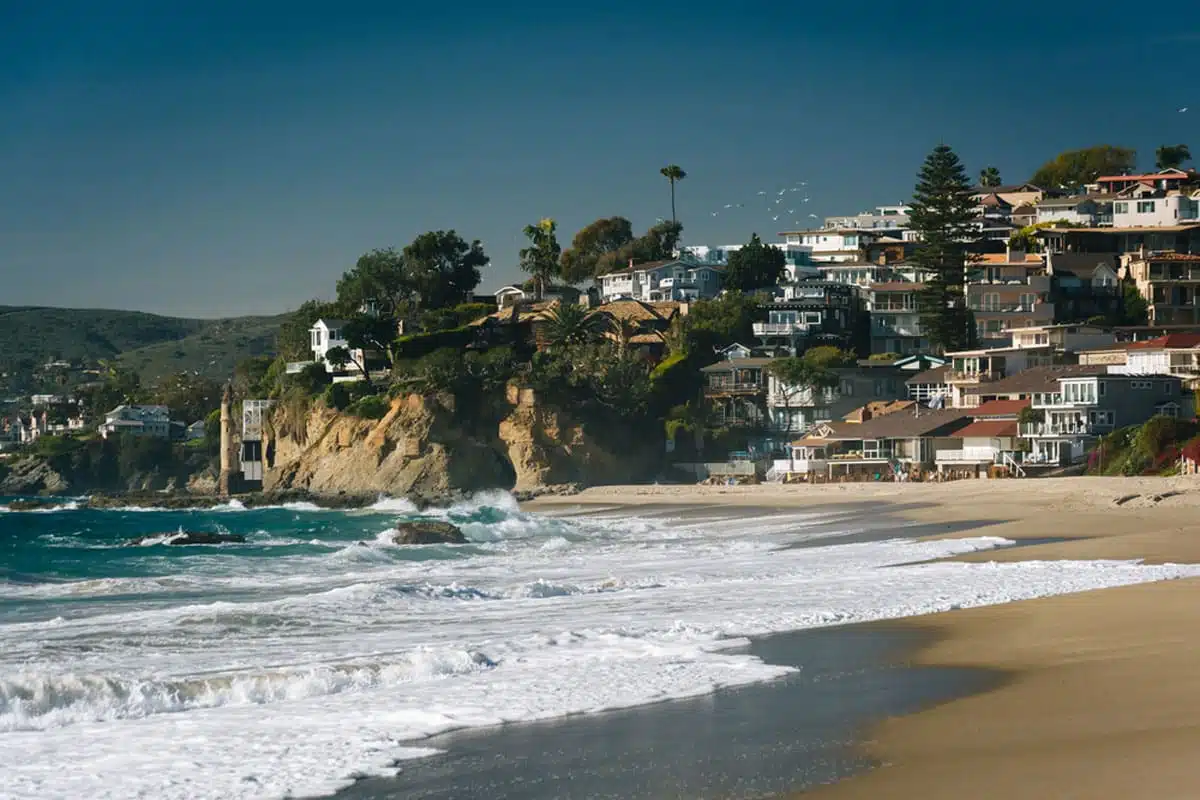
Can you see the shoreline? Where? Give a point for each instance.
(1102, 690)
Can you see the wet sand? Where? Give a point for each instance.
(1102, 698)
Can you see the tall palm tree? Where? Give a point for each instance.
(541, 258)
(622, 330)
(569, 324)
(673, 173)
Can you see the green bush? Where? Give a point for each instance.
(883, 357)
(372, 406)
(422, 344)
(337, 396)
(311, 380)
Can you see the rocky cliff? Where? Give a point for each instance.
(421, 448)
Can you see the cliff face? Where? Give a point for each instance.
(420, 448)
(415, 449)
(38, 474)
(547, 447)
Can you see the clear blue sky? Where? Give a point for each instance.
(218, 158)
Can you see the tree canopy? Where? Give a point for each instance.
(673, 173)
(989, 177)
(943, 214)
(442, 269)
(1074, 168)
(1172, 156)
(713, 324)
(754, 266)
(594, 241)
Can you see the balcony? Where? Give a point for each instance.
(802, 466)
(783, 328)
(973, 377)
(734, 387)
(1057, 429)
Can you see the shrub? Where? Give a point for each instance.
(883, 357)
(422, 344)
(372, 406)
(337, 396)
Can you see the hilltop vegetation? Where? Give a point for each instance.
(152, 344)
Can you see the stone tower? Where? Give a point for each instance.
(223, 482)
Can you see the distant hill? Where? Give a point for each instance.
(154, 345)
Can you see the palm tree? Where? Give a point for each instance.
(1172, 156)
(676, 338)
(673, 173)
(568, 325)
(989, 177)
(541, 258)
(622, 330)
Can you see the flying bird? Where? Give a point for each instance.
(781, 191)
(774, 217)
(791, 211)
(729, 205)
(814, 216)
(1182, 110)
(762, 192)
(715, 213)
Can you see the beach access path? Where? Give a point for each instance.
(1103, 694)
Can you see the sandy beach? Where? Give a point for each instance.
(1103, 698)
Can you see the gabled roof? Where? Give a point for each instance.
(632, 310)
(917, 423)
(1001, 408)
(645, 265)
(994, 201)
(330, 323)
(935, 375)
(751, 362)
(1040, 379)
(1011, 188)
(988, 429)
(1170, 173)
(1032, 259)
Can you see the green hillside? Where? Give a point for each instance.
(213, 351)
(154, 345)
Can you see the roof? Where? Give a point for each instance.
(920, 422)
(1074, 199)
(631, 310)
(878, 408)
(1001, 408)
(1130, 229)
(990, 428)
(330, 323)
(1039, 379)
(1182, 341)
(755, 362)
(994, 201)
(1032, 259)
(935, 375)
(1170, 174)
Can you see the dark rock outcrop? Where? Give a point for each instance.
(427, 532)
(188, 537)
(31, 505)
(184, 502)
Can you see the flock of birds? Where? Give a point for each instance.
(774, 207)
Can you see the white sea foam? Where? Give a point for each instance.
(292, 674)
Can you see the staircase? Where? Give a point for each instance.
(1014, 466)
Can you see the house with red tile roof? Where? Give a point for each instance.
(1176, 354)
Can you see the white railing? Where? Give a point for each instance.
(969, 455)
(779, 328)
(1013, 465)
(783, 466)
(1059, 429)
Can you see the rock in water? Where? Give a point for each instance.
(31, 505)
(427, 532)
(189, 537)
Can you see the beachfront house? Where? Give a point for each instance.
(795, 409)
(971, 371)
(991, 439)
(736, 388)
(808, 314)
(1072, 416)
(887, 447)
(137, 420)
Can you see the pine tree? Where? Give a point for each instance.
(943, 214)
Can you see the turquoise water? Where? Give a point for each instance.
(318, 650)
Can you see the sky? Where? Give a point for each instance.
(214, 158)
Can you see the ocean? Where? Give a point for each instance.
(317, 653)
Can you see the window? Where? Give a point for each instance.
(1145, 207)
(1103, 387)
(847, 388)
(1139, 384)
(878, 388)
(1027, 301)
(1120, 208)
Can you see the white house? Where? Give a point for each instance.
(1085, 210)
(197, 430)
(138, 420)
(833, 245)
(1176, 354)
(1141, 207)
(1063, 338)
(327, 334)
(654, 281)
(510, 296)
(889, 218)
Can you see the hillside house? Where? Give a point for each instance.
(654, 281)
(896, 318)
(137, 420)
(1163, 180)
(1008, 291)
(795, 409)
(1176, 354)
(1170, 283)
(1085, 210)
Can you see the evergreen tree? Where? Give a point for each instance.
(943, 214)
